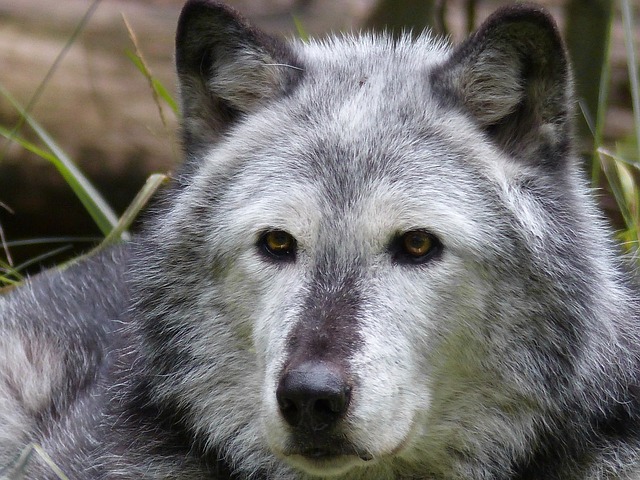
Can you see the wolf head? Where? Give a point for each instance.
(379, 259)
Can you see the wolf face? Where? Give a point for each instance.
(381, 256)
(378, 261)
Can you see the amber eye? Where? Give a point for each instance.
(279, 244)
(416, 246)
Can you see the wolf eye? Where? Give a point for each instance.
(416, 246)
(278, 244)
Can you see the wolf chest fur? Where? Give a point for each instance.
(379, 261)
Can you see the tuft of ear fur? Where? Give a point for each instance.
(512, 76)
(226, 69)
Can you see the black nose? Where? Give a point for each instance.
(313, 395)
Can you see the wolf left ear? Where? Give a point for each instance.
(226, 69)
(512, 76)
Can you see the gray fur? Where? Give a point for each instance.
(510, 352)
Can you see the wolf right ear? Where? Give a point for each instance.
(512, 76)
(226, 69)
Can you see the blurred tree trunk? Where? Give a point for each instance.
(586, 35)
(398, 15)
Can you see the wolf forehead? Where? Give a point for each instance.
(357, 99)
(360, 119)
(369, 75)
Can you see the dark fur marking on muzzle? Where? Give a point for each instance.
(314, 388)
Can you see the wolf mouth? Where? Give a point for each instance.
(322, 454)
(327, 462)
(334, 454)
(325, 450)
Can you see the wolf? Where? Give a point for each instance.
(380, 260)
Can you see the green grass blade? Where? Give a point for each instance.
(158, 88)
(52, 240)
(610, 169)
(302, 32)
(27, 145)
(19, 465)
(632, 62)
(54, 66)
(49, 461)
(133, 210)
(40, 258)
(603, 98)
(9, 276)
(164, 94)
(92, 200)
(3, 241)
(7, 284)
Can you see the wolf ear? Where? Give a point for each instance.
(512, 76)
(226, 69)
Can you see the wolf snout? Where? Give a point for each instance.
(313, 396)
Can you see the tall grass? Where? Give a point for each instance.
(113, 228)
(621, 161)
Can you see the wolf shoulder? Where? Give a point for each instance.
(57, 334)
(88, 293)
